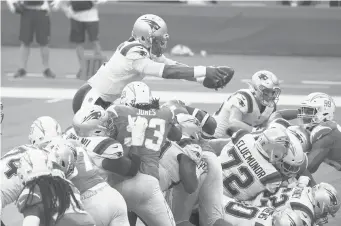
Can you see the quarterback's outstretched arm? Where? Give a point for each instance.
(221, 75)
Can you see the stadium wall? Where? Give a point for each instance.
(217, 29)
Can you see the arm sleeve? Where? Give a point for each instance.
(146, 67)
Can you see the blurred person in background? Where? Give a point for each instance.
(34, 20)
(84, 18)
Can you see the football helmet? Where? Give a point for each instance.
(64, 154)
(295, 160)
(190, 125)
(286, 217)
(316, 108)
(265, 86)
(136, 93)
(273, 143)
(43, 129)
(151, 31)
(93, 121)
(279, 123)
(34, 163)
(300, 136)
(327, 202)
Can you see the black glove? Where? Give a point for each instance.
(218, 77)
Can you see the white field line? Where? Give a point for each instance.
(191, 97)
(309, 82)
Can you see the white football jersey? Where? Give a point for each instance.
(169, 165)
(239, 214)
(130, 62)
(300, 200)
(245, 101)
(11, 185)
(246, 172)
(91, 157)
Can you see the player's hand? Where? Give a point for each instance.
(138, 127)
(218, 77)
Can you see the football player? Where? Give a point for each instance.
(248, 108)
(317, 114)
(48, 198)
(313, 205)
(138, 57)
(178, 160)
(207, 122)
(240, 214)
(248, 163)
(92, 187)
(141, 192)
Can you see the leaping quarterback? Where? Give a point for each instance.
(138, 57)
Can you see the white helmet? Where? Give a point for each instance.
(295, 161)
(151, 31)
(265, 86)
(64, 154)
(34, 163)
(93, 121)
(43, 129)
(190, 125)
(317, 108)
(286, 217)
(136, 93)
(279, 123)
(273, 143)
(327, 202)
(300, 136)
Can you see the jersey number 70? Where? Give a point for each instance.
(155, 141)
(235, 178)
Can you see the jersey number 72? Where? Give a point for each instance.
(155, 141)
(235, 178)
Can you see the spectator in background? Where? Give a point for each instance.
(84, 18)
(34, 21)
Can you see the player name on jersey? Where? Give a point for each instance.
(251, 161)
(151, 112)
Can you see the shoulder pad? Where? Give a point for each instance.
(238, 135)
(27, 199)
(109, 148)
(319, 132)
(134, 51)
(243, 101)
(193, 151)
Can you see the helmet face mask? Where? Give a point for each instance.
(269, 97)
(316, 108)
(159, 44)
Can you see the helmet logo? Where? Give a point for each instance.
(263, 77)
(153, 25)
(93, 115)
(332, 197)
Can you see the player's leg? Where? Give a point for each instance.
(42, 27)
(26, 38)
(183, 204)
(144, 197)
(92, 28)
(112, 211)
(211, 191)
(77, 36)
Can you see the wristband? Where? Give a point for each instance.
(199, 71)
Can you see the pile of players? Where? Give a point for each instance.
(173, 164)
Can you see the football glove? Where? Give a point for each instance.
(218, 77)
(137, 126)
